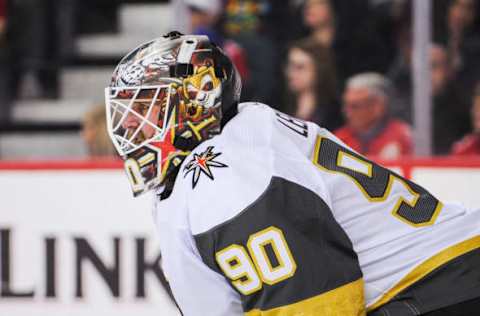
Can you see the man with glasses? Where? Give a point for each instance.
(370, 130)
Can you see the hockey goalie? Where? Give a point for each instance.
(259, 213)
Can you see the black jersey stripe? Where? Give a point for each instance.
(449, 277)
(346, 300)
(323, 253)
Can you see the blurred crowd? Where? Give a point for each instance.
(34, 36)
(344, 64)
(347, 65)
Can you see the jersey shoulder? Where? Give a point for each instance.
(222, 175)
(226, 174)
(221, 179)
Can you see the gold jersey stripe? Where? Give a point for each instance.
(427, 267)
(347, 300)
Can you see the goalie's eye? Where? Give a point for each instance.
(141, 108)
(207, 83)
(208, 86)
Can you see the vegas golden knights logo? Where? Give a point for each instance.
(201, 164)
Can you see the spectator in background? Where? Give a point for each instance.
(345, 27)
(370, 130)
(319, 16)
(459, 33)
(384, 15)
(33, 41)
(470, 144)
(311, 84)
(460, 17)
(450, 119)
(204, 16)
(399, 72)
(261, 27)
(451, 108)
(94, 134)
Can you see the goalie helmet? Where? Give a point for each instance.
(166, 97)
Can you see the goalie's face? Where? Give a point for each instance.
(133, 121)
(165, 98)
(146, 122)
(138, 115)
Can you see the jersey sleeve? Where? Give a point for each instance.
(198, 290)
(285, 254)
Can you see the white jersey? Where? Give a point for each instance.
(277, 214)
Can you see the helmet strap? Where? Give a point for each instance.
(181, 70)
(218, 60)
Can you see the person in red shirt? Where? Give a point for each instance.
(470, 144)
(369, 129)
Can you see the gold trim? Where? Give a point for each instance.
(391, 179)
(197, 128)
(347, 300)
(146, 159)
(243, 279)
(169, 159)
(277, 254)
(427, 267)
(369, 165)
(134, 175)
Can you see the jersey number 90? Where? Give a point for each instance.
(248, 270)
(415, 206)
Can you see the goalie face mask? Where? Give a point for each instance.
(165, 98)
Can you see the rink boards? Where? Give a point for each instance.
(74, 241)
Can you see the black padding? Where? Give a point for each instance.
(451, 284)
(181, 70)
(219, 61)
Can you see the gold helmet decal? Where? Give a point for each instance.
(165, 98)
